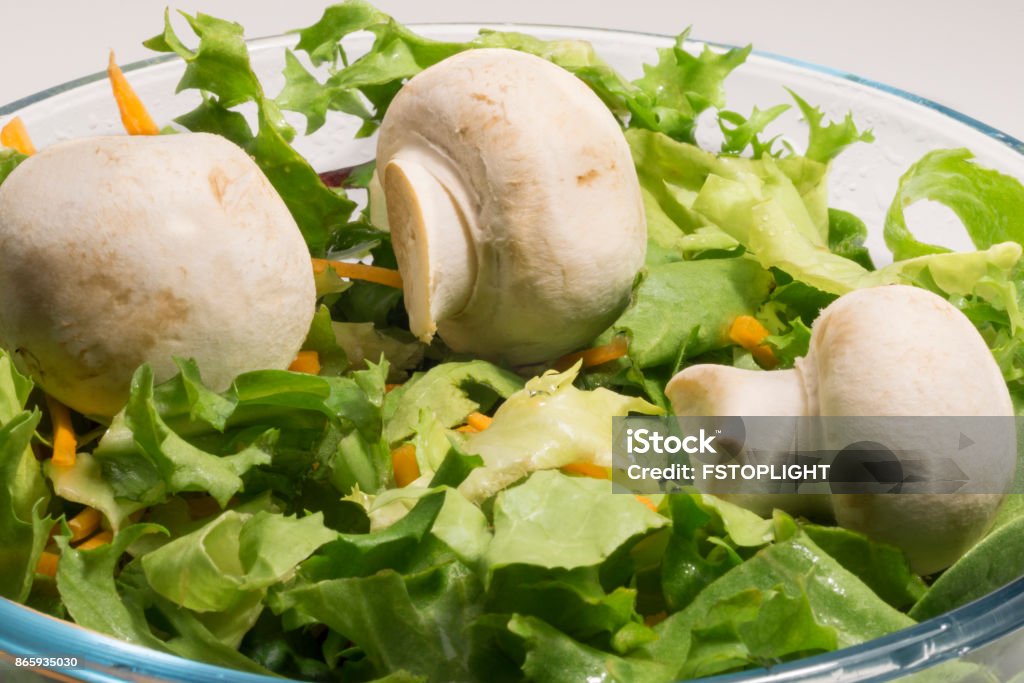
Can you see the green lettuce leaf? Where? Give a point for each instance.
(883, 568)
(236, 555)
(988, 203)
(681, 86)
(825, 142)
(451, 391)
(709, 537)
(24, 498)
(557, 521)
(166, 463)
(553, 657)
(417, 622)
(734, 621)
(86, 582)
(704, 297)
(992, 563)
(548, 424)
(555, 553)
(741, 131)
(846, 235)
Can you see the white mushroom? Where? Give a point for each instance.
(513, 204)
(887, 351)
(118, 251)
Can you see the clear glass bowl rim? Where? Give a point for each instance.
(916, 648)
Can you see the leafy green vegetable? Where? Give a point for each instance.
(166, 463)
(994, 562)
(451, 391)
(741, 132)
(415, 623)
(735, 620)
(988, 203)
(553, 657)
(846, 235)
(23, 495)
(553, 520)
(704, 297)
(85, 579)
(220, 565)
(707, 539)
(884, 569)
(681, 86)
(825, 142)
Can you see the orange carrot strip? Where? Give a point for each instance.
(15, 136)
(599, 355)
(306, 361)
(64, 442)
(390, 387)
(134, 117)
(403, 462)
(102, 538)
(84, 524)
(586, 469)
(648, 502)
(360, 271)
(47, 563)
(467, 429)
(749, 333)
(479, 421)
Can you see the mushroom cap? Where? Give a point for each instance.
(119, 251)
(513, 203)
(904, 351)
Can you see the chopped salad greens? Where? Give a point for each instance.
(405, 513)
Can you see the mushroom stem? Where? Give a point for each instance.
(432, 243)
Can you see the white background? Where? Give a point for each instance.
(968, 55)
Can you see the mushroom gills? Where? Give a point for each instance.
(433, 244)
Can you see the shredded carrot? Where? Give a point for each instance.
(47, 563)
(390, 387)
(102, 538)
(360, 271)
(403, 462)
(467, 429)
(64, 441)
(599, 355)
(15, 136)
(84, 524)
(306, 361)
(134, 117)
(479, 421)
(587, 469)
(648, 502)
(749, 333)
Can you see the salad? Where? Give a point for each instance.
(421, 493)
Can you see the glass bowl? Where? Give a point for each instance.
(988, 633)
